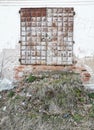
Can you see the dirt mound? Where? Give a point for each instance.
(47, 101)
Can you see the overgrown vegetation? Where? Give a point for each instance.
(31, 78)
(50, 101)
(91, 95)
(11, 94)
(91, 112)
(77, 117)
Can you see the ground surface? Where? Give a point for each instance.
(47, 101)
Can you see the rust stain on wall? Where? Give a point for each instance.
(46, 36)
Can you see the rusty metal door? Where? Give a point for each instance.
(47, 36)
(33, 45)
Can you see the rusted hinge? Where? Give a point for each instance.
(73, 42)
(20, 60)
(20, 41)
(74, 13)
(19, 11)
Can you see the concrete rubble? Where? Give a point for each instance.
(6, 84)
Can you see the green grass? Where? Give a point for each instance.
(31, 78)
(91, 112)
(81, 99)
(11, 94)
(32, 115)
(91, 95)
(77, 117)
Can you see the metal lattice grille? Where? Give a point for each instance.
(47, 36)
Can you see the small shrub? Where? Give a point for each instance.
(31, 78)
(91, 113)
(81, 99)
(77, 117)
(77, 92)
(11, 94)
(91, 95)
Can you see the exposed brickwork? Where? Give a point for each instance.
(85, 75)
(20, 70)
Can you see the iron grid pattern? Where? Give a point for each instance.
(46, 36)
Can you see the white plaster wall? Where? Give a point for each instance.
(83, 23)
